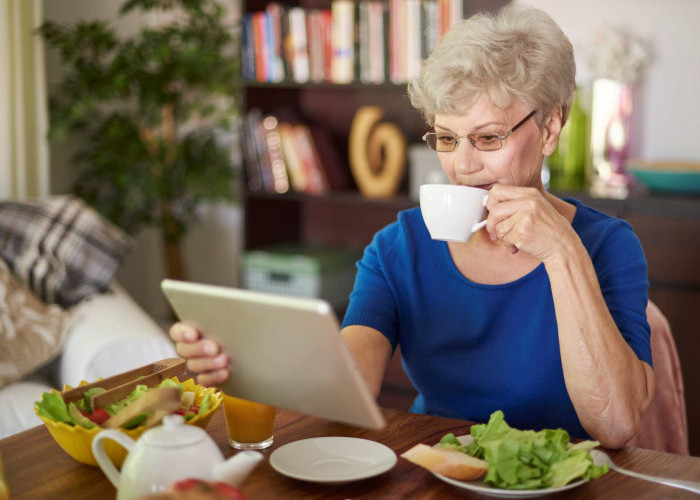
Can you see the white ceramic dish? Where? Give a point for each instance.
(332, 460)
(479, 486)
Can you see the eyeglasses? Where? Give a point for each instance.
(445, 142)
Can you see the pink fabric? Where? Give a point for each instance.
(665, 426)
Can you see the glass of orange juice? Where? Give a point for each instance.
(249, 424)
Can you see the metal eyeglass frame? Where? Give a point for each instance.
(469, 137)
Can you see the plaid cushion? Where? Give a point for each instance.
(62, 249)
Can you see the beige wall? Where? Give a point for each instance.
(668, 106)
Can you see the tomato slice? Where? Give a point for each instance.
(99, 416)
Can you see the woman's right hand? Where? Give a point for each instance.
(204, 357)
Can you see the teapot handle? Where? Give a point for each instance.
(103, 460)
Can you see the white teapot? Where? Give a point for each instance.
(168, 453)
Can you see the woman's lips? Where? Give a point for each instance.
(484, 186)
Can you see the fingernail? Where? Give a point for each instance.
(210, 348)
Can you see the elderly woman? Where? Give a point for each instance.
(540, 314)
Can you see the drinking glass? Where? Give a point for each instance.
(249, 425)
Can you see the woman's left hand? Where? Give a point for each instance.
(521, 218)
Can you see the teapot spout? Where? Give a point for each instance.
(234, 470)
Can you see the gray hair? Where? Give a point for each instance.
(517, 53)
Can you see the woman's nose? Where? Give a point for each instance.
(467, 160)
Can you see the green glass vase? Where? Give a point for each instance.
(568, 165)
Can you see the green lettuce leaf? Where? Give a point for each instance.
(54, 408)
(206, 404)
(117, 406)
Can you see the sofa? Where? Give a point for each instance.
(110, 333)
(63, 317)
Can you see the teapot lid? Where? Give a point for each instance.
(174, 433)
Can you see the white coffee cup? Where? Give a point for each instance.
(452, 213)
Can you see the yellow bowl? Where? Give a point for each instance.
(77, 440)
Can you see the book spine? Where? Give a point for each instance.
(342, 41)
(327, 43)
(295, 167)
(456, 12)
(314, 29)
(280, 179)
(413, 38)
(248, 47)
(444, 16)
(432, 26)
(260, 43)
(250, 150)
(297, 26)
(315, 182)
(275, 12)
(398, 40)
(263, 156)
(364, 41)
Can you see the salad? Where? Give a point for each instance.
(526, 460)
(79, 413)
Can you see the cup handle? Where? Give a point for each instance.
(103, 460)
(478, 226)
(481, 224)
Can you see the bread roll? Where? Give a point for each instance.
(450, 463)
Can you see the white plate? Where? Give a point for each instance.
(332, 460)
(479, 486)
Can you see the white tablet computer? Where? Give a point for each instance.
(285, 351)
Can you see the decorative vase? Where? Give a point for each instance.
(568, 165)
(611, 132)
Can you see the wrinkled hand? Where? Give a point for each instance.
(521, 218)
(203, 356)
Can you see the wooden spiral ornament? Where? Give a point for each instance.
(377, 153)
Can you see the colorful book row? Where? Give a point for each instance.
(283, 156)
(370, 41)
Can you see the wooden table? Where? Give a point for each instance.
(36, 467)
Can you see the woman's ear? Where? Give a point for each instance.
(550, 131)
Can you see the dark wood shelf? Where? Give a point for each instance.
(289, 84)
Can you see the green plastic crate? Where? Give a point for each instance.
(317, 272)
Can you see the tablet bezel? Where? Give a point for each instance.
(285, 351)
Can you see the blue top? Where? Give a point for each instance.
(469, 348)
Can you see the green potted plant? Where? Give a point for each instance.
(152, 107)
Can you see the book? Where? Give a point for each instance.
(280, 179)
(315, 42)
(315, 179)
(377, 41)
(250, 154)
(397, 40)
(247, 47)
(295, 167)
(275, 12)
(413, 51)
(264, 166)
(431, 27)
(342, 41)
(299, 48)
(260, 40)
(336, 169)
